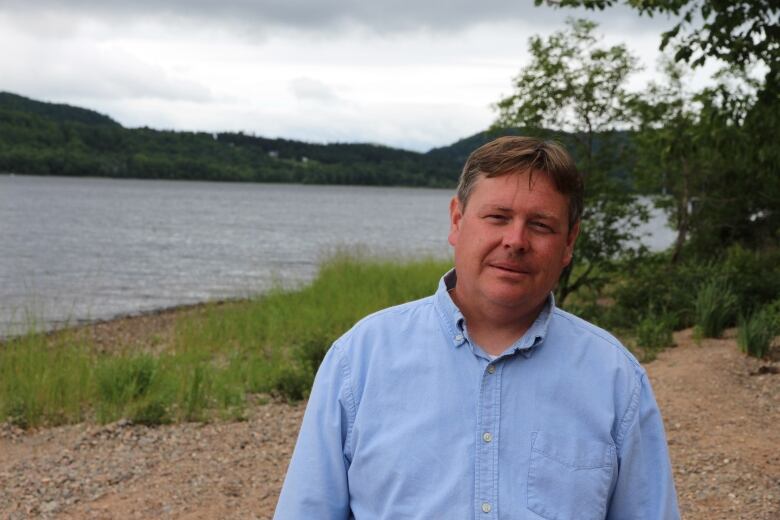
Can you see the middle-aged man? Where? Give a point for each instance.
(485, 401)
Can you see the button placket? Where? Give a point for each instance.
(487, 450)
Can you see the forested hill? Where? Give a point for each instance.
(53, 139)
(54, 111)
(38, 138)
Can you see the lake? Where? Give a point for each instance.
(82, 249)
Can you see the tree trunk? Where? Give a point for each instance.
(683, 212)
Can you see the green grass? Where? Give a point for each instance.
(756, 332)
(714, 308)
(219, 355)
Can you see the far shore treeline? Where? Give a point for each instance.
(40, 138)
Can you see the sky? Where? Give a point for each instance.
(412, 74)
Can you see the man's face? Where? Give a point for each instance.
(511, 242)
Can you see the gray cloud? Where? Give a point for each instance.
(309, 89)
(80, 70)
(379, 16)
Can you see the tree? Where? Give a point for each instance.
(739, 201)
(700, 149)
(668, 144)
(739, 32)
(573, 89)
(740, 193)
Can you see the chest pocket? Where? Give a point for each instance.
(569, 477)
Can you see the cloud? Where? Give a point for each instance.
(77, 68)
(308, 89)
(377, 16)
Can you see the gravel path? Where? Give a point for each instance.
(721, 410)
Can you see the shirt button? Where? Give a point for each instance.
(459, 338)
(491, 369)
(486, 507)
(487, 437)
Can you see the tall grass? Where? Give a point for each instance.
(756, 332)
(272, 344)
(44, 382)
(714, 308)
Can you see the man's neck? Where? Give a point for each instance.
(498, 329)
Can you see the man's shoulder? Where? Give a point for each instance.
(594, 337)
(395, 315)
(398, 320)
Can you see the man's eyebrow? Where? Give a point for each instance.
(543, 215)
(497, 207)
(507, 209)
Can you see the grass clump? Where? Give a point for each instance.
(714, 308)
(121, 381)
(757, 331)
(42, 382)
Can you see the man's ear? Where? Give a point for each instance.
(456, 214)
(571, 238)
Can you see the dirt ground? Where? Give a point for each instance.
(721, 409)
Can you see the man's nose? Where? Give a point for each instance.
(516, 237)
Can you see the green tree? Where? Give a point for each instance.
(738, 32)
(700, 150)
(740, 193)
(669, 148)
(574, 89)
(739, 202)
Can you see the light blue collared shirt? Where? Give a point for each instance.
(410, 419)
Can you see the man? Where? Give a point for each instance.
(485, 401)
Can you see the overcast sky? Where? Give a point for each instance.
(408, 73)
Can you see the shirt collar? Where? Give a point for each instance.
(454, 321)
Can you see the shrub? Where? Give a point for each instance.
(754, 276)
(756, 332)
(151, 412)
(652, 281)
(654, 333)
(293, 382)
(715, 306)
(312, 349)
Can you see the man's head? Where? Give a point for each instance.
(513, 154)
(514, 222)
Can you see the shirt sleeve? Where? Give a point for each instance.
(644, 488)
(316, 484)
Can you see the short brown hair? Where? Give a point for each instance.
(514, 154)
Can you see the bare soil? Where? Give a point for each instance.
(721, 409)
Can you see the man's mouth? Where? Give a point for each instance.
(509, 267)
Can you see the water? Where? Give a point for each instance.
(80, 249)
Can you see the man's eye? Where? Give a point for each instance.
(541, 226)
(496, 217)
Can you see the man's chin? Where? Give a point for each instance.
(512, 299)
